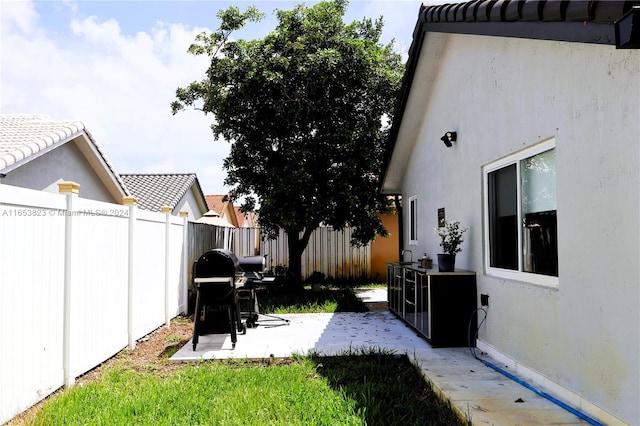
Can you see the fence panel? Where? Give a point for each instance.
(203, 237)
(174, 290)
(276, 252)
(33, 231)
(148, 272)
(30, 321)
(99, 281)
(246, 241)
(328, 252)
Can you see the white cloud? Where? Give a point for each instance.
(119, 85)
(74, 66)
(20, 15)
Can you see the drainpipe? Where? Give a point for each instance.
(398, 204)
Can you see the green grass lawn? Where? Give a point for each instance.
(369, 388)
(210, 393)
(326, 300)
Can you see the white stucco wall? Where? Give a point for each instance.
(63, 163)
(502, 95)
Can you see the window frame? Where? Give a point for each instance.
(413, 219)
(515, 275)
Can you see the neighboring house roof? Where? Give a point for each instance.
(25, 137)
(242, 219)
(246, 220)
(156, 190)
(570, 21)
(213, 218)
(225, 208)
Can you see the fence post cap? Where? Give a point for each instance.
(184, 213)
(165, 209)
(129, 201)
(67, 187)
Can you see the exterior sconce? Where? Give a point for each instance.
(627, 29)
(448, 138)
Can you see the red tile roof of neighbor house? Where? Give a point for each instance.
(215, 203)
(240, 216)
(248, 219)
(218, 204)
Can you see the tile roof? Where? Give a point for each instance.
(526, 10)
(583, 21)
(216, 203)
(24, 137)
(223, 207)
(156, 190)
(248, 219)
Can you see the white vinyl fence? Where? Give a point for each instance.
(79, 281)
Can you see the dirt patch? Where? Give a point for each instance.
(151, 353)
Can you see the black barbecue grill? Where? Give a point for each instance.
(216, 278)
(226, 284)
(254, 267)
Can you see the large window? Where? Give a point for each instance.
(413, 220)
(520, 215)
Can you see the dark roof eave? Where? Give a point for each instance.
(577, 32)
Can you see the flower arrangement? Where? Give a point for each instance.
(451, 236)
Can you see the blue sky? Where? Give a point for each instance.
(115, 65)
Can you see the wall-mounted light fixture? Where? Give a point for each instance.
(448, 138)
(627, 29)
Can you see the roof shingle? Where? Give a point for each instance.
(156, 190)
(24, 137)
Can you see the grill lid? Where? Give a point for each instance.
(252, 263)
(217, 263)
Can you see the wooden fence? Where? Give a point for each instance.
(329, 252)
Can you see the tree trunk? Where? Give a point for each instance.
(296, 248)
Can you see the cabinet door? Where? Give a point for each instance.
(422, 305)
(410, 280)
(395, 281)
(453, 300)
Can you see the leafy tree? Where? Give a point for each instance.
(305, 110)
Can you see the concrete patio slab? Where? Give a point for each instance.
(474, 389)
